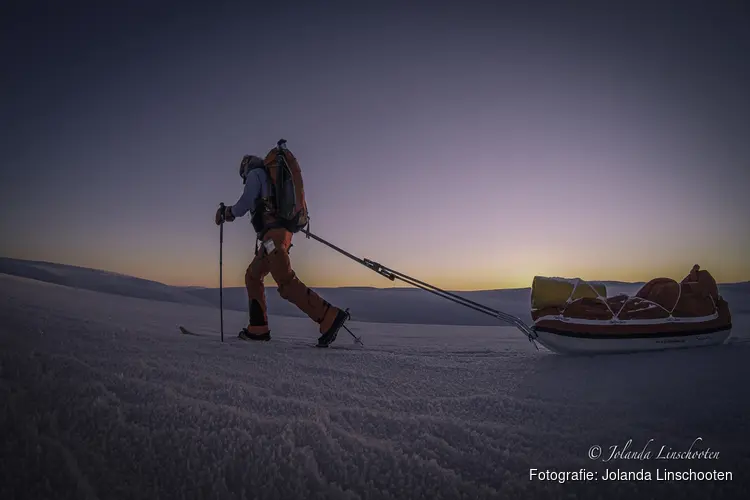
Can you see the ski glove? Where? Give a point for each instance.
(224, 215)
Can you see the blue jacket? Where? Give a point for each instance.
(257, 186)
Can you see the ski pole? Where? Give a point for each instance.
(221, 273)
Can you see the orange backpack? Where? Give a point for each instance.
(287, 197)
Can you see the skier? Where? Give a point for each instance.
(273, 194)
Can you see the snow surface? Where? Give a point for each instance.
(104, 398)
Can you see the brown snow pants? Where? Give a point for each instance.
(273, 257)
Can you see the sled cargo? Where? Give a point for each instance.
(663, 314)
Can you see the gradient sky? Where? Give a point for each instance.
(472, 146)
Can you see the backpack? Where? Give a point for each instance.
(287, 205)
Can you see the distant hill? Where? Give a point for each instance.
(386, 305)
(97, 280)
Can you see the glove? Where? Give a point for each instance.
(224, 214)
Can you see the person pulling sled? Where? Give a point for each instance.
(274, 196)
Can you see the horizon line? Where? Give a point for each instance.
(273, 285)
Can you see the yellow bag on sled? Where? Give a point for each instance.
(553, 292)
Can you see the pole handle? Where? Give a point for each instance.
(223, 208)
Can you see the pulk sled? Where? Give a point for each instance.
(395, 275)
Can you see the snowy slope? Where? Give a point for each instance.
(103, 398)
(97, 280)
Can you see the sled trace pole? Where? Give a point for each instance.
(394, 275)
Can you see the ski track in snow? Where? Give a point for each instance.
(105, 398)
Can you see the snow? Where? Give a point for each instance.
(104, 398)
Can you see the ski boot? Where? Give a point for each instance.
(245, 335)
(330, 335)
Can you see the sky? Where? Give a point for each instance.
(470, 145)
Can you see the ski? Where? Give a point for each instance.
(185, 331)
(336, 347)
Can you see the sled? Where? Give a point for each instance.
(663, 314)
